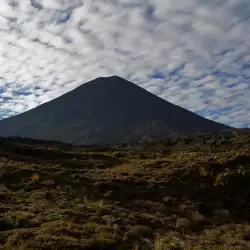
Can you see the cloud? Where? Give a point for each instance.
(193, 53)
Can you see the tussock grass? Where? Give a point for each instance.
(56, 197)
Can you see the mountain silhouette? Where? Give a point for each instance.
(107, 110)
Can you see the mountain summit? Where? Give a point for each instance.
(107, 110)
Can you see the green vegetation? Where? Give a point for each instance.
(176, 194)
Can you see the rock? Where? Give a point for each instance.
(109, 194)
(183, 223)
(140, 231)
(102, 211)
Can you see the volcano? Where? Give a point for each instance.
(107, 110)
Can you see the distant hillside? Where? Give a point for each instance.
(107, 110)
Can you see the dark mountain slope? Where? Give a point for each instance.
(107, 110)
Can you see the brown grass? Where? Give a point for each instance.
(53, 197)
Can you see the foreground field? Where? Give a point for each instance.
(191, 194)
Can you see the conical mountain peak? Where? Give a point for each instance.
(107, 110)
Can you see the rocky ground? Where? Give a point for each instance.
(177, 194)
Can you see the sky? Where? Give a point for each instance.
(193, 53)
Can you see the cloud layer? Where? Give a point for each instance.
(193, 53)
